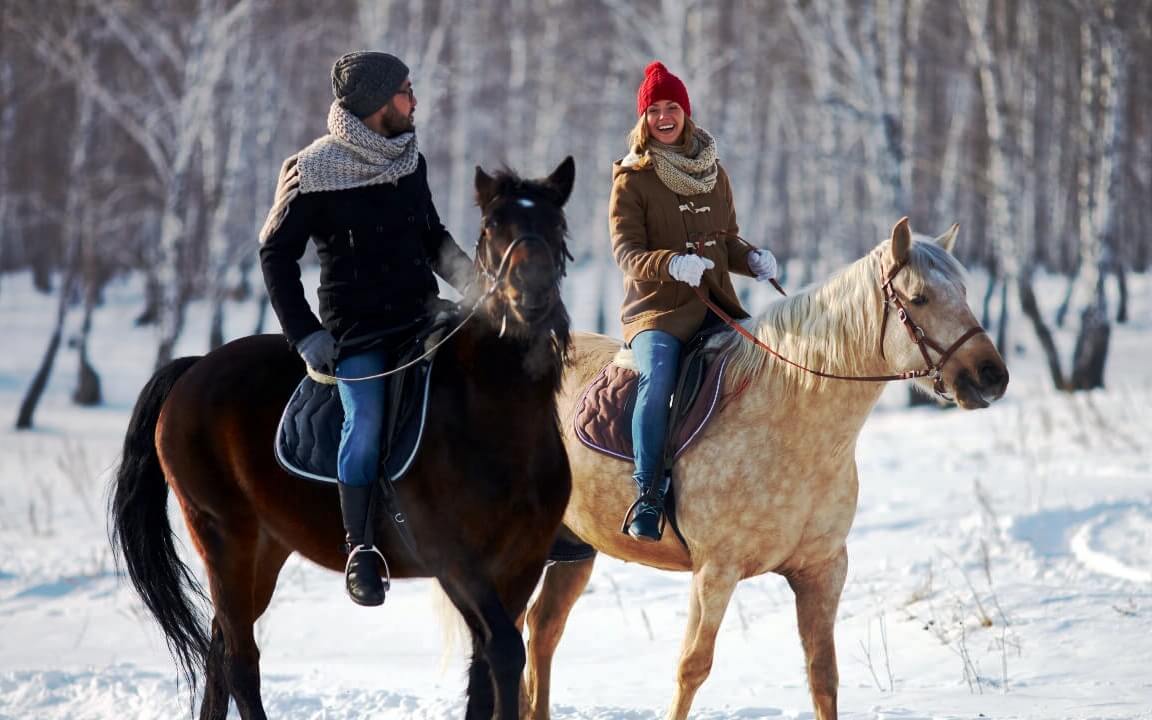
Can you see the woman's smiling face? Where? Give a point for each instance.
(665, 121)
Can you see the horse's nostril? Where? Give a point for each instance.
(992, 374)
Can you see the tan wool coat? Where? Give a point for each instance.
(649, 225)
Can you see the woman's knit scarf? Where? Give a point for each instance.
(693, 173)
(351, 155)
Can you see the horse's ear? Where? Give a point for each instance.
(562, 179)
(948, 239)
(485, 187)
(901, 241)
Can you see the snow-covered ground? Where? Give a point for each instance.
(1001, 566)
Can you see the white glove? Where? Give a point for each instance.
(689, 268)
(763, 264)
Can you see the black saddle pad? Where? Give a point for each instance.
(309, 433)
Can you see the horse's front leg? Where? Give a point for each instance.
(497, 649)
(561, 588)
(712, 587)
(817, 597)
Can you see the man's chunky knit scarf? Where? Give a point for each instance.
(351, 155)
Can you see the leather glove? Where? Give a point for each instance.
(763, 264)
(318, 349)
(689, 268)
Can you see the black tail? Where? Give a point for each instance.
(142, 537)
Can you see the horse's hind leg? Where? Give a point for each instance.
(561, 588)
(214, 706)
(817, 596)
(712, 587)
(242, 569)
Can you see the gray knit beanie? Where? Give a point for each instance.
(363, 82)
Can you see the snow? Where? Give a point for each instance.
(1000, 566)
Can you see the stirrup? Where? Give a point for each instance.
(386, 581)
(653, 498)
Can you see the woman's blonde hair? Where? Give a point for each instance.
(640, 137)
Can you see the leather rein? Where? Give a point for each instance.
(915, 333)
(493, 278)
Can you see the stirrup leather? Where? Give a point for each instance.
(352, 553)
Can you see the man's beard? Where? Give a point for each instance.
(396, 124)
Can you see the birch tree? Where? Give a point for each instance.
(74, 231)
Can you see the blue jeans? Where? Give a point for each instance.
(359, 456)
(657, 356)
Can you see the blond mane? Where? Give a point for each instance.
(835, 326)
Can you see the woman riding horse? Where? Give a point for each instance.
(770, 484)
(669, 194)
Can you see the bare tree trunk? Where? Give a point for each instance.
(87, 392)
(40, 379)
(153, 297)
(1099, 228)
(7, 131)
(1002, 323)
(1061, 313)
(75, 231)
(1122, 293)
(1032, 312)
(986, 304)
(1003, 178)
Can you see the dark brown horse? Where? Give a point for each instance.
(483, 499)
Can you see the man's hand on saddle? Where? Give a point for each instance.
(689, 268)
(763, 265)
(318, 350)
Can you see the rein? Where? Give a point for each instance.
(494, 281)
(915, 333)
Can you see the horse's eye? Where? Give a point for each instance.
(491, 224)
(919, 300)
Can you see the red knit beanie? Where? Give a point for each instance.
(659, 84)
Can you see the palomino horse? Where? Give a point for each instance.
(483, 499)
(741, 518)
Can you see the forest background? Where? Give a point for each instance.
(143, 138)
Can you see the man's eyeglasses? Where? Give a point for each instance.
(407, 91)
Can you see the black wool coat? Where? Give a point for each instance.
(378, 247)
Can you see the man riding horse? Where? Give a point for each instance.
(361, 193)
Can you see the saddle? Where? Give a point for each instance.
(603, 417)
(308, 436)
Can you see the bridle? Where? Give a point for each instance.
(933, 369)
(917, 334)
(493, 279)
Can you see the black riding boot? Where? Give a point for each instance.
(648, 512)
(362, 573)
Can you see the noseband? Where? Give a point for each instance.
(495, 278)
(915, 332)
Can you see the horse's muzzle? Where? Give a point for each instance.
(531, 308)
(988, 386)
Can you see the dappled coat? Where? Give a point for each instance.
(650, 225)
(378, 246)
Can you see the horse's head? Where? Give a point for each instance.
(521, 254)
(923, 286)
